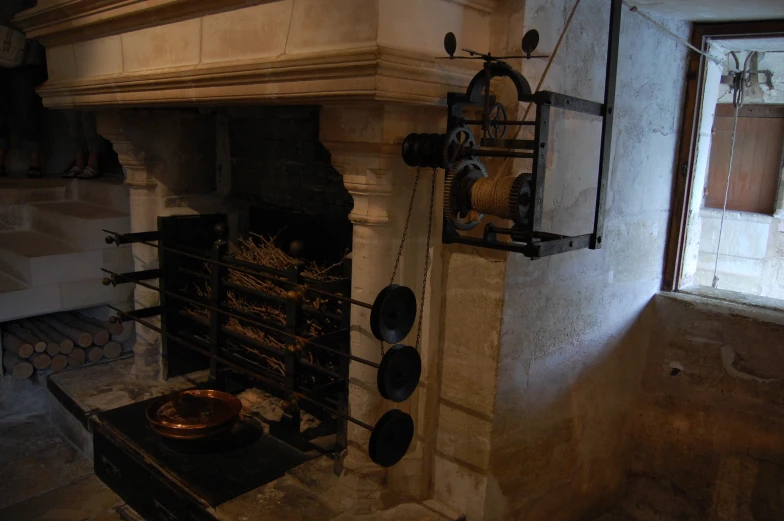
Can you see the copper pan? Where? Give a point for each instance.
(193, 414)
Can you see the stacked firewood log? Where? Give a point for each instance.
(53, 343)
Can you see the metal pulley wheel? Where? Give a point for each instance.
(497, 129)
(458, 145)
(399, 372)
(457, 194)
(391, 438)
(393, 313)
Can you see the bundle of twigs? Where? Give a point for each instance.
(262, 250)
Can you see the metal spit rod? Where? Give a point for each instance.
(241, 369)
(243, 318)
(246, 271)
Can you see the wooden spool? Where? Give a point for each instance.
(112, 349)
(15, 345)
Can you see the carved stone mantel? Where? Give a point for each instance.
(175, 52)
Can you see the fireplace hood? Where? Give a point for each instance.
(175, 52)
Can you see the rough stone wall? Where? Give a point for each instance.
(708, 424)
(278, 161)
(575, 326)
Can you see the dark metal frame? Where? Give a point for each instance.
(533, 241)
(173, 247)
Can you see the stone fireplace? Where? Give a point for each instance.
(168, 81)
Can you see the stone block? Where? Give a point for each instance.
(321, 25)
(99, 57)
(743, 235)
(29, 302)
(61, 62)
(464, 436)
(460, 487)
(234, 35)
(172, 45)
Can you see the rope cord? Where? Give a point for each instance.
(680, 40)
(737, 102)
(491, 196)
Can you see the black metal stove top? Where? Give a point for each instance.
(214, 470)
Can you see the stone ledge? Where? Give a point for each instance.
(71, 21)
(372, 73)
(725, 302)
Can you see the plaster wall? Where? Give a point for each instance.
(575, 326)
(708, 423)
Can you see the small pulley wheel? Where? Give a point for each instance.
(391, 438)
(393, 314)
(458, 145)
(399, 372)
(497, 116)
(409, 155)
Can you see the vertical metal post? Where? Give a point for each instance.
(341, 438)
(542, 130)
(289, 423)
(162, 265)
(605, 153)
(217, 296)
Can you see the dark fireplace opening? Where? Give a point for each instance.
(258, 307)
(295, 234)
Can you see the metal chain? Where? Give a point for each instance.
(427, 258)
(405, 228)
(403, 238)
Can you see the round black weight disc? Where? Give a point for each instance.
(393, 313)
(399, 372)
(391, 438)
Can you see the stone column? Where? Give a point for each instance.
(165, 154)
(365, 146)
(139, 168)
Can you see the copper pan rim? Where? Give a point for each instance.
(232, 408)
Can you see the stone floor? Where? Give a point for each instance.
(44, 477)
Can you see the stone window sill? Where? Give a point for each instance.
(731, 303)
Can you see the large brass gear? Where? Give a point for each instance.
(466, 170)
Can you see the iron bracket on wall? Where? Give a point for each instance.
(522, 201)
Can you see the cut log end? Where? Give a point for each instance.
(25, 351)
(112, 349)
(94, 354)
(77, 357)
(84, 340)
(40, 347)
(22, 371)
(52, 349)
(66, 346)
(101, 337)
(41, 360)
(59, 363)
